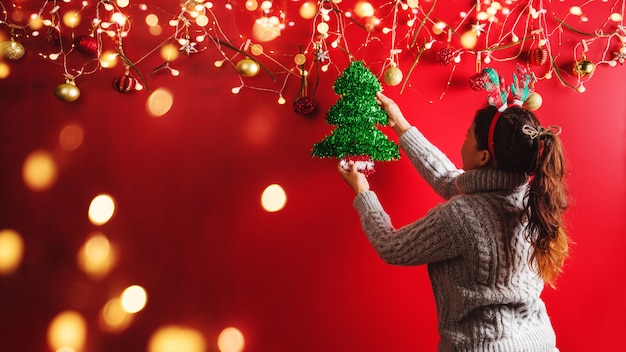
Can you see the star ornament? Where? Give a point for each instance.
(620, 56)
(321, 55)
(478, 28)
(188, 48)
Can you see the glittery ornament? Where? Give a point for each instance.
(86, 44)
(67, 91)
(304, 106)
(477, 81)
(445, 56)
(392, 75)
(583, 67)
(538, 56)
(533, 102)
(12, 50)
(124, 84)
(356, 115)
(248, 67)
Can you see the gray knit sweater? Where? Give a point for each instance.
(487, 296)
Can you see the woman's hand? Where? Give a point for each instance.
(357, 180)
(397, 121)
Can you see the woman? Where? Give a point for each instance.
(494, 242)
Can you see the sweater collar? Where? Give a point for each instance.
(489, 180)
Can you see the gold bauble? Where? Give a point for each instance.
(248, 67)
(392, 76)
(583, 67)
(533, 102)
(68, 92)
(12, 50)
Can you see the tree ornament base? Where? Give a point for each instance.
(364, 164)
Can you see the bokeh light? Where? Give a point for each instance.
(159, 102)
(308, 10)
(266, 29)
(364, 9)
(172, 338)
(134, 299)
(5, 70)
(40, 170)
(273, 198)
(67, 330)
(113, 317)
(71, 137)
(71, 19)
(169, 52)
(101, 209)
(11, 251)
(230, 340)
(96, 257)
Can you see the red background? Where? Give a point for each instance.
(190, 229)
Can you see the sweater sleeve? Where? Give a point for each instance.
(434, 166)
(427, 240)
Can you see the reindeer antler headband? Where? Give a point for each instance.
(500, 95)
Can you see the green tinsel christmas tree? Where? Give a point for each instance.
(356, 115)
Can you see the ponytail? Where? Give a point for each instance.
(546, 201)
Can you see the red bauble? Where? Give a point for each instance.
(304, 106)
(124, 84)
(445, 56)
(538, 56)
(86, 44)
(477, 81)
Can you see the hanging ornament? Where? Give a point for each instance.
(124, 83)
(248, 67)
(583, 67)
(477, 81)
(53, 37)
(67, 91)
(538, 56)
(86, 44)
(304, 106)
(392, 75)
(445, 56)
(533, 102)
(12, 50)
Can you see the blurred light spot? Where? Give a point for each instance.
(575, 10)
(122, 3)
(308, 10)
(108, 59)
(256, 49)
(113, 317)
(172, 338)
(152, 20)
(39, 171)
(71, 137)
(67, 330)
(96, 256)
(101, 209)
(273, 198)
(252, 5)
(266, 29)
(5, 70)
(169, 52)
(11, 251)
(616, 17)
(364, 9)
(160, 102)
(71, 18)
(230, 340)
(202, 20)
(35, 22)
(134, 299)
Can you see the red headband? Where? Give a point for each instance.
(492, 131)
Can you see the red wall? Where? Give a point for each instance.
(190, 229)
